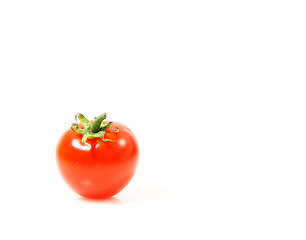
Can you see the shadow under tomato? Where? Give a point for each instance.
(110, 200)
(136, 194)
(141, 194)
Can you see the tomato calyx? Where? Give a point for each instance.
(92, 130)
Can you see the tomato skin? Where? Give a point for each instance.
(98, 169)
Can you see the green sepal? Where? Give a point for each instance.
(83, 120)
(77, 128)
(97, 123)
(102, 137)
(92, 130)
(107, 125)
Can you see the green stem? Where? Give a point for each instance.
(93, 130)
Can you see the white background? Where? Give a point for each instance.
(213, 90)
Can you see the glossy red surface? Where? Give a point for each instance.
(98, 169)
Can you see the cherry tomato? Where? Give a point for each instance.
(97, 164)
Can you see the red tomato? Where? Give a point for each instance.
(97, 168)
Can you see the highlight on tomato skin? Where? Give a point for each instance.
(97, 159)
